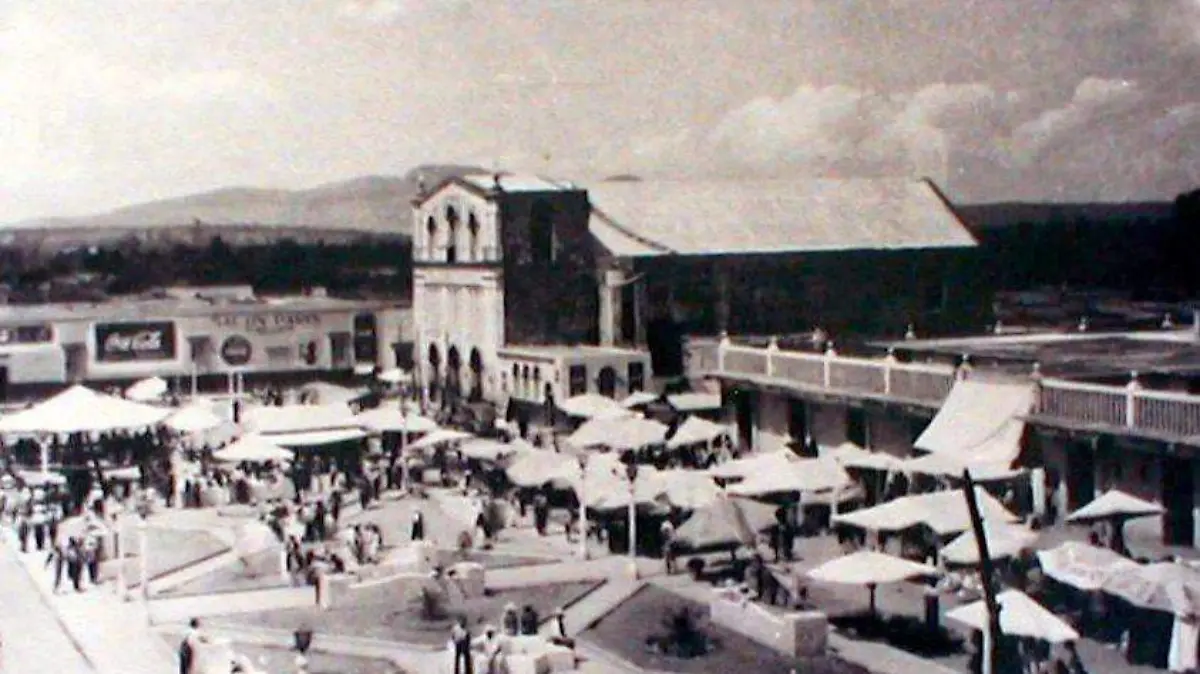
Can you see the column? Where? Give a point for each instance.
(610, 287)
(721, 276)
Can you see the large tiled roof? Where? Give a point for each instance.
(724, 217)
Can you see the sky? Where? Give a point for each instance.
(108, 104)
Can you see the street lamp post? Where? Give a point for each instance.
(143, 563)
(118, 548)
(631, 471)
(583, 523)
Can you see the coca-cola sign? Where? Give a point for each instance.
(124, 342)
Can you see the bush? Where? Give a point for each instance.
(695, 566)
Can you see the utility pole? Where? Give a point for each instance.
(991, 637)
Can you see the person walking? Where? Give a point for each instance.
(75, 564)
(91, 558)
(460, 637)
(418, 526)
(668, 542)
(187, 647)
(58, 557)
(23, 531)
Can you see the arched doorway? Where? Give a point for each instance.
(525, 383)
(453, 373)
(475, 362)
(435, 362)
(549, 405)
(451, 235)
(606, 382)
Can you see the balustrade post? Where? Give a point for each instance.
(964, 368)
(1131, 392)
(722, 345)
(772, 349)
(1035, 376)
(910, 332)
(888, 361)
(830, 354)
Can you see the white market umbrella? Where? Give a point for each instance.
(870, 569)
(638, 399)
(592, 406)
(147, 390)
(944, 512)
(1169, 587)
(80, 409)
(33, 478)
(194, 418)
(254, 449)
(687, 489)
(439, 437)
(944, 466)
(694, 402)
(726, 521)
(299, 418)
(619, 433)
(394, 420)
(1115, 505)
(1082, 566)
(754, 464)
(803, 475)
(484, 449)
(332, 394)
(536, 468)
(394, 376)
(696, 431)
(1003, 540)
(1020, 616)
(851, 455)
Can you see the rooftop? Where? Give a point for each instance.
(552, 352)
(174, 306)
(725, 217)
(1081, 355)
(516, 182)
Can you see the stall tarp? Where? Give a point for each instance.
(948, 466)
(618, 433)
(639, 399)
(694, 431)
(147, 390)
(867, 567)
(850, 455)
(315, 438)
(980, 422)
(296, 418)
(1169, 587)
(803, 475)
(1115, 504)
(753, 464)
(80, 409)
(194, 417)
(694, 402)
(592, 406)
(395, 420)
(252, 448)
(1082, 566)
(1003, 540)
(1020, 616)
(726, 521)
(441, 436)
(944, 512)
(536, 468)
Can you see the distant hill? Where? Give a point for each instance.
(369, 206)
(982, 217)
(365, 204)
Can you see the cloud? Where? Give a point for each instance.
(1094, 99)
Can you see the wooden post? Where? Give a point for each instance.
(986, 571)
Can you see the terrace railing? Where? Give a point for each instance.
(927, 383)
(1131, 407)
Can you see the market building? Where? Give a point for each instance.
(1089, 412)
(203, 335)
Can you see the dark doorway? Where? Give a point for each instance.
(607, 382)
(743, 411)
(3, 384)
(856, 426)
(1179, 498)
(476, 364)
(629, 317)
(1081, 475)
(797, 420)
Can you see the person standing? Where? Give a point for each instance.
(75, 564)
(667, 531)
(23, 531)
(529, 621)
(418, 526)
(460, 637)
(187, 647)
(58, 557)
(91, 557)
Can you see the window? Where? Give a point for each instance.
(430, 239)
(451, 235)
(637, 377)
(473, 230)
(308, 353)
(578, 380)
(541, 233)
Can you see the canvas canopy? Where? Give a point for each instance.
(537, 467)
(980, 423)
(802, 475)
(80, 409)
(949, 466)
(394, 420)
(1167, 586)
(194, 418)
(1020, 616)
(724, 522)
(638, 399)
(1115, 504)
(147, 390)
(754, 464)
(1082, 566)
(618, 433)
(332, 394)
(694, 402)
(1003, 540)
(592, 406)
(694, 431)
(867, 567)
(944, 512)
(33, 478)
(394, 376)
(850, 455)
(315, 438)
(439, 437)
(252, 449)
(299, 418)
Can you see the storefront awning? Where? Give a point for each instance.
(980, 422)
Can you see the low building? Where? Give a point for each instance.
(203, 334)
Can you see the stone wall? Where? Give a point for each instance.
(799, 634)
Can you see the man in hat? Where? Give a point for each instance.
(510, 621)
(460, 637)
(493, 650)
(558, 630)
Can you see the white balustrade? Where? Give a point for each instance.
(1167, 412)
(1094, 404)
